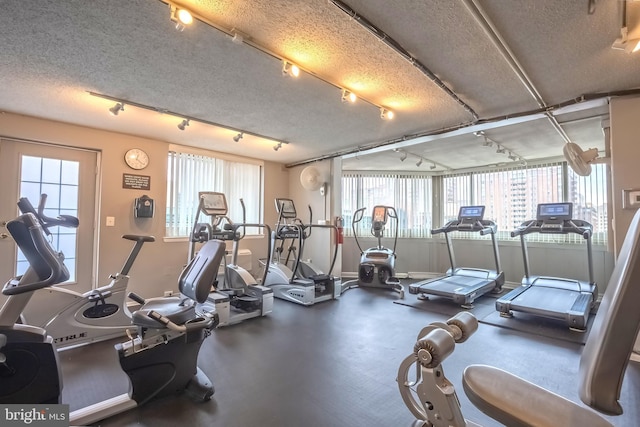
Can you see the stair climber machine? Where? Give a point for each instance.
(460, 284)
(292, 278)
(160, 360)
(74, 318)
(570, 300)
(239, 296)
(377, 265)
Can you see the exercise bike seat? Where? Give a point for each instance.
(486, 387)
(195, 283)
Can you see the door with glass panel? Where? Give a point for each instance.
(68, 177)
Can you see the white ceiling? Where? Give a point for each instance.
(54, 52)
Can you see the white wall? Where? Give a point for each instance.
(319, 248)
(625, 160)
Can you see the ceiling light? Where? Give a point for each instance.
(348, 96)
(277, 146)
(386, 114)
(181, 17)
(487, 142)
(237, 36)
(433, 166)
(238, 137)
(523, 162)
(512, 156)
(419, 162)
(184, 124)
(501, 150)
(289, 69)
(403, 156)
(116, 109)
(479, 133)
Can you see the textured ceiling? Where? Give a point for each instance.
(53, 52)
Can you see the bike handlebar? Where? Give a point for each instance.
(25, 206)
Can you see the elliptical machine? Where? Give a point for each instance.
(239, 296)
(291, 278)
(72, 318)
(377, 265)
(161, 360)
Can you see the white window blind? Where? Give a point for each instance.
(511, 196)
(589, 197)
(190, 173)
(410, 195)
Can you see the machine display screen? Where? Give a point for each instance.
(286, 208)
(555, 211)
(379, 214)
(475, 213)
(213, 203)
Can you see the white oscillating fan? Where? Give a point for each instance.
(580, 161)
(312, 179)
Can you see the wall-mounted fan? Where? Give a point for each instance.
(313, 179)
(579, 160)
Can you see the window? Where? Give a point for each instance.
(190, 173)
(410, 196)
(511, 196)
(58, 179)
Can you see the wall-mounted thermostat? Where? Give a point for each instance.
(631, 199)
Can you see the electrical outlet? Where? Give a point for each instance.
(168, 293)
(111, 221)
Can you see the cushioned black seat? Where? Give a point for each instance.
(195, 283)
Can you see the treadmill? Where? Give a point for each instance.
(460, 284)
(570, 300)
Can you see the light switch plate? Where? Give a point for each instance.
(631, 198)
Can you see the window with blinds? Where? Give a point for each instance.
(511, 196)
(190, 173)
(410, 195)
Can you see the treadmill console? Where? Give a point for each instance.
(212, 203)
(469, 216)
(553, 215)
(286, 208)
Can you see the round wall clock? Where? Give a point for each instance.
(136, 158)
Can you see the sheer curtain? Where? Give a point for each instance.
(410, 195)
(190, 173)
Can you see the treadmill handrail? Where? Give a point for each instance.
(575, 226)
(483, 227)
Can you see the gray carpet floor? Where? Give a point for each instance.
(330, 365)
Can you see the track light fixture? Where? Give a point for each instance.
(403, 156)
(419, 162)
(501, 149)
(183, 124)
(512, 156)
(277, 146)
(289, 69)
(181, 17)
(116, 109)
(433, 166)
(386, 114)
(348, 96)
(185, 118)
